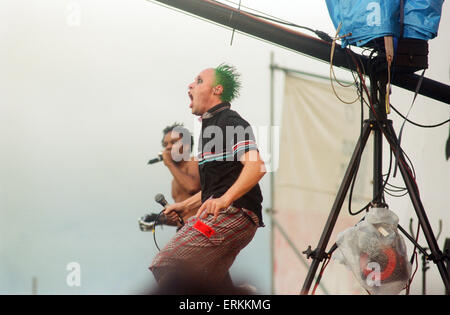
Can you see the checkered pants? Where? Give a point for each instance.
(207, 249)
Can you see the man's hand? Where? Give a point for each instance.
(172, 218)
(213, 206)
(173, 210)
(167, 157)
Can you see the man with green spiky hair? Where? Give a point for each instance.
(213, 85)
(229, 203)
(227, 77)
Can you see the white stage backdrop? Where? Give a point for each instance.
(318, 137)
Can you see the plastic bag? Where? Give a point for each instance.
(376, 253)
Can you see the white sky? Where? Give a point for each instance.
(86, 87)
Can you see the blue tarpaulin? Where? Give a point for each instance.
(422, 18)
(369, 19)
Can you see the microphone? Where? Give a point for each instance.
(159, 198)
(156, 160)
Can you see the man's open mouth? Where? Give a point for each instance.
(192, 99)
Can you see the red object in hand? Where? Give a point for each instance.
(204, 229)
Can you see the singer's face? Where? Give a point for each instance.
(172, 139)
(201, 92)
(173, 144)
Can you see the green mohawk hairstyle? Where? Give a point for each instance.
(228, 77)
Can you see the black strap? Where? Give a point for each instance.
(402, 17)
(401, 129)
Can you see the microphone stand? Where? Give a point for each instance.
(425, 257)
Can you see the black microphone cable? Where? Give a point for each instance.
(154, 229)
(159, 198)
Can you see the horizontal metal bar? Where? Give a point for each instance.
(313, 47)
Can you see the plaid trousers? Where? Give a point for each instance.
(206, 247)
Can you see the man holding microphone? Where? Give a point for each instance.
(229, 203)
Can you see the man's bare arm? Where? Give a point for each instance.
(252, 172)
(186, 206)
(190, 180)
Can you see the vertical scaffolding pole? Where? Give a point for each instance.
(272, 231)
